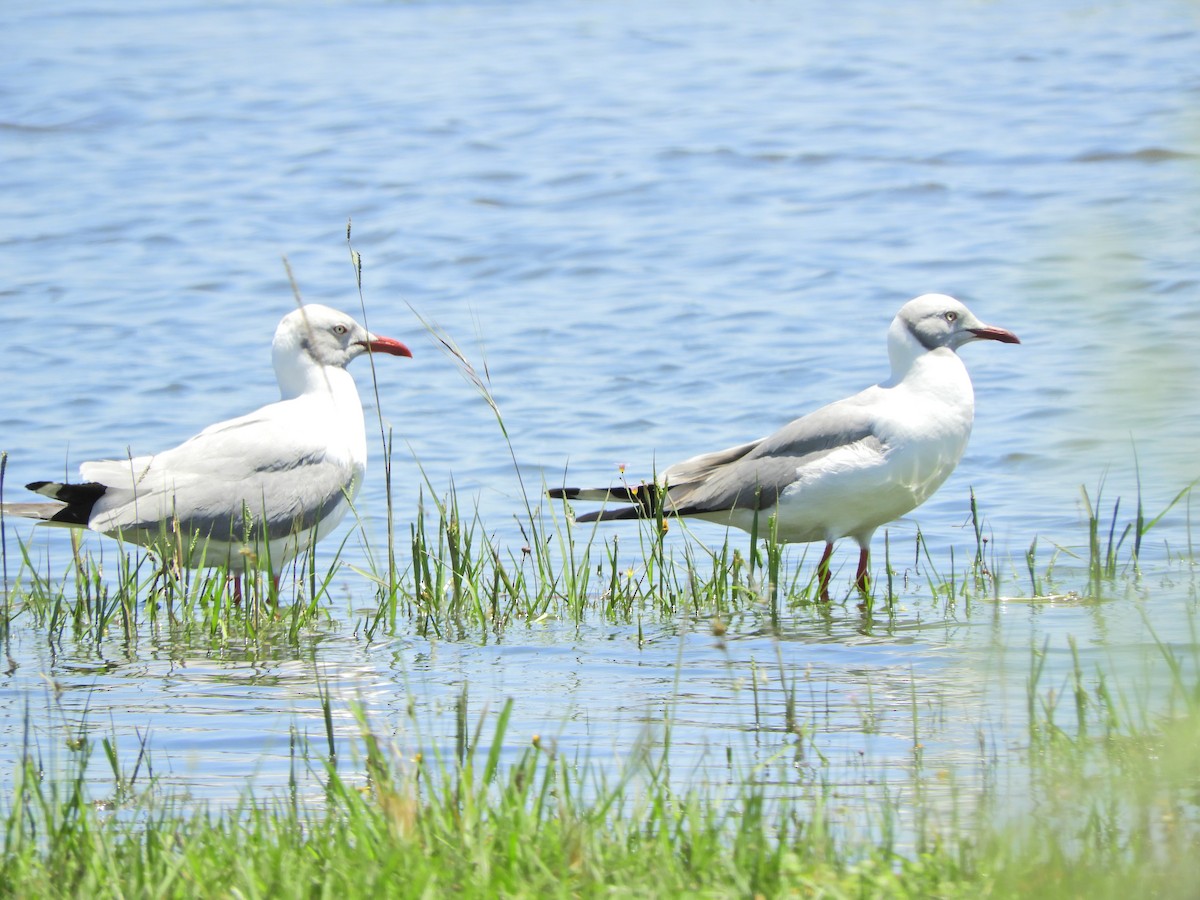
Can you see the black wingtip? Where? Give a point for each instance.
(619, 514)
(80, 498)
(646, 499)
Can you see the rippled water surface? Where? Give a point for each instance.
(663, 230)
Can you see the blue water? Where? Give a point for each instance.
(662, 229)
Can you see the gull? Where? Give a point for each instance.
(257, 489)
(844, 469)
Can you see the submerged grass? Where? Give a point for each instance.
(1112, 809)
(96, 596)
(457, 579)
(1111, 804)
(423, 828)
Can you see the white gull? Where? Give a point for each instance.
(846, 468)
(247, 491)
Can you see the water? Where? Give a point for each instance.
(664, 230)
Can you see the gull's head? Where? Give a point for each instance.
(315, 336)
(933, 321)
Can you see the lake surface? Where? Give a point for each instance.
(661, 230)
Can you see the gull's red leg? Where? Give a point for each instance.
(862, 580)
(823, 572)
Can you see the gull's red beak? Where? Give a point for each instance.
(992, 333)
(386, 345)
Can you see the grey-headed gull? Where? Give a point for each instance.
(847, 468)
(258, 488)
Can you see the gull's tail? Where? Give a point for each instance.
(73, 509)
(645, 497)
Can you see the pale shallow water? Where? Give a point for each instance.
(664, 230)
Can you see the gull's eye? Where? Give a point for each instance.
(950, 316)
(340, 330)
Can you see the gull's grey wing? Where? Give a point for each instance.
(754, 479)
(752, 475)
(698, 468)
(253, 464)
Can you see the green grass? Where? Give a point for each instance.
(1112, 805)
(1113, 810)
(1107, 800)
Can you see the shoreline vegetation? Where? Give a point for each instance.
(1109, 789)
(1114, 789)
(1114, 786)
